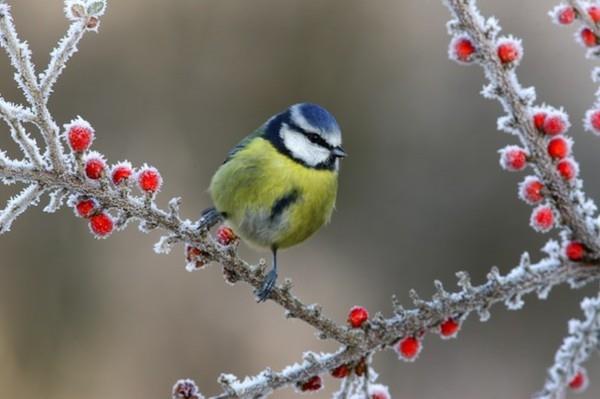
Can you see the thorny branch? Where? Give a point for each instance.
(66, 175)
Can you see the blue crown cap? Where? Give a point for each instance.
(318, 116)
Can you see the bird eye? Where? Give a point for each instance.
(314, 137)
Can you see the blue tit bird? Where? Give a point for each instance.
(278, 186)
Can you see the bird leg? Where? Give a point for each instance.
(269, 282)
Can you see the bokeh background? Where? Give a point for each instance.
(176, 84)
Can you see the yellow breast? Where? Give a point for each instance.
(270, 199)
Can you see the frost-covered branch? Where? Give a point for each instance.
(582, 341)
(427, 317)
(111, 197)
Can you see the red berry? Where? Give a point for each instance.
(149, 180)
(80, 137)
(508, 51)
(579, 382)
(558, 148)
(588, 37)
(378, 391)
(566, 15)
(186, 389)
(101, 224)
(312, 384)
(94, 168)
(592, 120)
(513, 158)
(449, 328)
(575, 251)
(225, 235)
(85, 208)
(542, 218)
(555, 124)
(530, 190)
(408, 348)
(594, 13)
(463, 49)
(195, 257)
(538, 120)
(567, 168)
(121, 173)
(341, 371)
(357, 316)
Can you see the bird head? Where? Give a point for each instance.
(309, 134)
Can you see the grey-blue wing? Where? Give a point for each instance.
(239, 146)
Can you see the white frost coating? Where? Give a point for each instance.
(165, 244)
(67, 46)
(17, 205)
(577, 347)
(57, 199)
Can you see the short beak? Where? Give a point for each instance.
(339, 152)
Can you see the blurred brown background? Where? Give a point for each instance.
(176, 84)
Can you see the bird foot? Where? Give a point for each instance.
(267, 286)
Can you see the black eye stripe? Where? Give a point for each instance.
(311, 136)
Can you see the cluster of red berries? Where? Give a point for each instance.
(565, 15)
(551, 124)
(80, 135)
(508, 50)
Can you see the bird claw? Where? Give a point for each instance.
(267, 286)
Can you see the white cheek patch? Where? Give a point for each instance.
(301, 148)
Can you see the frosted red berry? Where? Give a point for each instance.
(588, 37)
(312, 384)
(542, 218)
(377, 391)
(85, 208)
(225, 235)
(342, 371)
(575, 251)
(567, 169)
(463, 49)
(449, 328)
(566, 15)
(357, 316)
(513, 158)
(579, 382)
(120, 174)
(538, 120)
(592, 120)
(195, 257)
(531, 190)
(555, 124)
(558, 148)
(80, 137)
(186, 389)
(149, 180)
(94, 168)
(408, 348)
(508, 52)
(101, 224)
(594, 13)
